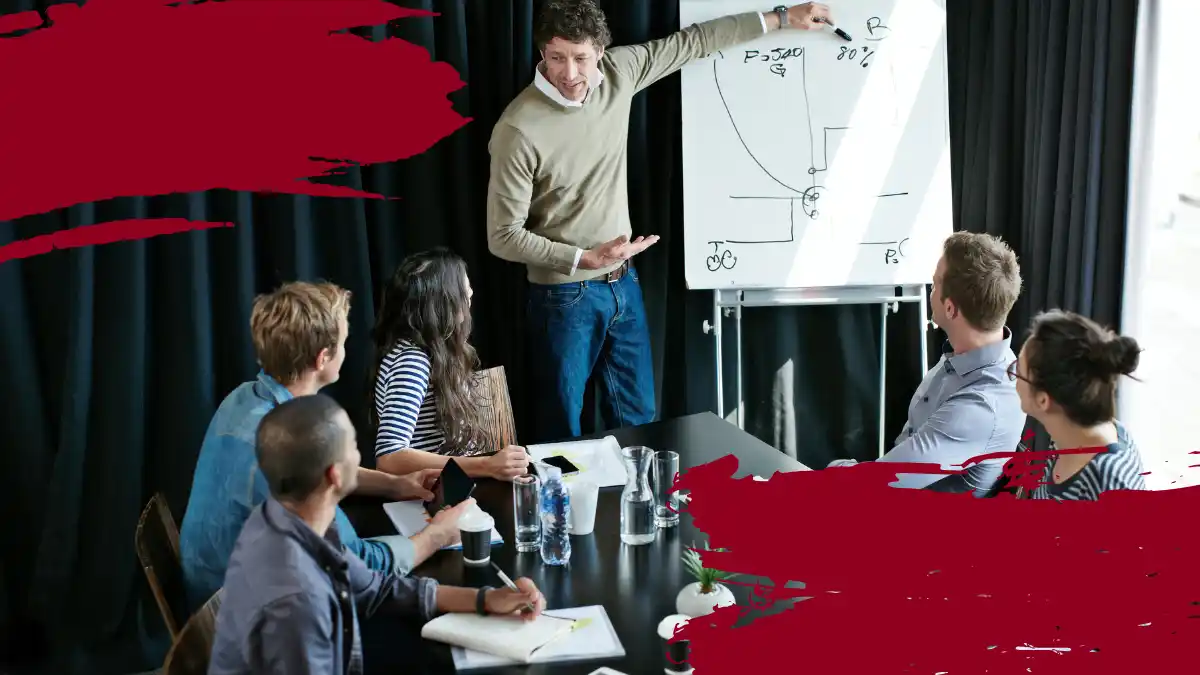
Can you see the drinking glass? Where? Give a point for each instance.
(666, 503)
(527, 515)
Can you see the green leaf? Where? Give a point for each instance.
(706, 577)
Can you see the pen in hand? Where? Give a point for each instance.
(528, 607)
(509, 582)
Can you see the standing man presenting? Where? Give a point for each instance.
(557, 201)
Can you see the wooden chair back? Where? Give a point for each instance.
(191, 652)
(157, 543)
(1021, 492)
(497, 408)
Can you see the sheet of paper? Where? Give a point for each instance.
(595, 638)
(599, 461)
(411, 517)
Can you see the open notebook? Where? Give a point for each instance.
(490, 641)
(410, 518)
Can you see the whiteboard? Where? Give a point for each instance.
(812, 161)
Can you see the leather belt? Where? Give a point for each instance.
(615, 274)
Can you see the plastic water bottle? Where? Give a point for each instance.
(556, 512)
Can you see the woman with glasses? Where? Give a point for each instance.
(1066, 377)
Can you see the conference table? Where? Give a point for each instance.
(637, 585)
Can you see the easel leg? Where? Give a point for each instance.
(720, 364)
(883, 316)
(923, 330)
(741, 420)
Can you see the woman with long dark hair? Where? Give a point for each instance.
(1067, 379)
(425, 402)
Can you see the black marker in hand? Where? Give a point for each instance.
(841, 33)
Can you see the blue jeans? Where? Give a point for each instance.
(576, 326)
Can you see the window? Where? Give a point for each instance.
(1162, 285)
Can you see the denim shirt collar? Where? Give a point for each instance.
(327, 550)
(268, 388)
(975, 359)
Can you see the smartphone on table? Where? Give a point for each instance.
(561, 463)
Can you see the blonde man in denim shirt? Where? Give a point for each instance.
(299, 333)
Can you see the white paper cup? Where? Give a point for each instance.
(584, 495)
(475, 529)
(675, 654)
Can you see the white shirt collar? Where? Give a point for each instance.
(549, 90)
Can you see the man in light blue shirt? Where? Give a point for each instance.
(299, 334)
(966, 405)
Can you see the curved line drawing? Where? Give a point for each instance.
(809, 197)
(900, 246)
(736, 131)
(809, 201)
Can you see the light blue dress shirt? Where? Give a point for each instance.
(965, 407)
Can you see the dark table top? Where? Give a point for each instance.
(636, 585)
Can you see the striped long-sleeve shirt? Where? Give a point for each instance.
(405, 403)
(1119, 467)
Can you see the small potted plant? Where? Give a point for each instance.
(706, 593)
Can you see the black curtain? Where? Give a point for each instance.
(113, 358)
(1040, 128)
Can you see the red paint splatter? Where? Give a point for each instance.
(913, 581)
(141, 98)
(104, 233)
(12, 23)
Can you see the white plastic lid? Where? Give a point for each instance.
(475, 520)
(666, 627)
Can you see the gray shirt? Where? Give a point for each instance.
(293, 600)
(965, 407)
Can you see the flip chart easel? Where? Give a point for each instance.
(817, 167)
(728, 302)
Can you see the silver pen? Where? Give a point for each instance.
(509, 582)
(528, 607)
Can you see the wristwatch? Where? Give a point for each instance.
(783, 19)
(481, 601)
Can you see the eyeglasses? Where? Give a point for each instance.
(1014, 375)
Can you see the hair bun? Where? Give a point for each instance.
(1118, 356)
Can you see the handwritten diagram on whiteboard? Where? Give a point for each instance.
(813, 161)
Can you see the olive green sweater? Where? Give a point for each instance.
(558, 179)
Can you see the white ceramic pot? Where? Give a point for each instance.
(691, 602)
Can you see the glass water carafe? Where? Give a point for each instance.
(637, 500)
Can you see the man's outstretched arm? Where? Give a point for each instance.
(649, 62)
